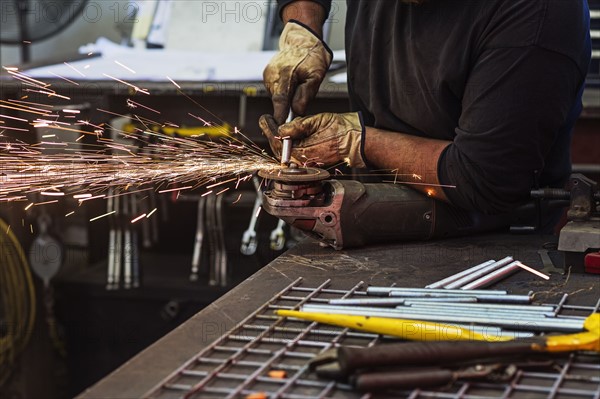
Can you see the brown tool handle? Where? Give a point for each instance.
(425, 353)
(368, 382)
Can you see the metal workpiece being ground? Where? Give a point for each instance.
(348, 213)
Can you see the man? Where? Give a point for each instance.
(477, 97)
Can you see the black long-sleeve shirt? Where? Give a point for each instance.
(501, 79)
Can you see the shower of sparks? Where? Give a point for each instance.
(151, 213)
(103, 216)
(53, 193)
(122, 162)
(138, 218)
(45, 202)
(124, 66)
(171, 164)
(91, 198)
(14, 118)
(75, 69)
(174, 189)
(419, 184)
(133, 104)
(137, 89)
(65, 79)
(175, 83)
(222, 191)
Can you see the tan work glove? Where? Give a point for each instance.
(294, 74)
(323, 139)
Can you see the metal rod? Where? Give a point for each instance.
(481, 305)
(520, 323)
(480, 273)
(502, 313)
(488, 313)
(397, 301)
(442, 283)
(494, 276)
(387, 290)
(286, 151)
(523, 299)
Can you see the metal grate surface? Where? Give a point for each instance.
(238, 364)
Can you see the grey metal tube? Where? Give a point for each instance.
(397, 301)
(286, 151)
(487, 313)
(480, 273)
(507, 314)
(502, 313)
(494, 276)
(481, 305)
(480, 297)
(380, 291)
(442, 283)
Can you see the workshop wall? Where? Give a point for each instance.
(192, 25)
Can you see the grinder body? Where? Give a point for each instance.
(348, 213)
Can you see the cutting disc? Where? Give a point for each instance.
(295, 175)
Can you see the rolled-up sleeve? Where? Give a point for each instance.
(515, 103)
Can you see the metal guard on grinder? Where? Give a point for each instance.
(348, 213)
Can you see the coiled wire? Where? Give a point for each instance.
(17, 301)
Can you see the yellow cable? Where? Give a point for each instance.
(18, 297)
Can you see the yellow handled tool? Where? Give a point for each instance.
(428, 331)
(413, 330)
(588, 340)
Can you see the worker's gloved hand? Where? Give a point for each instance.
(322, 139)
(294, 74)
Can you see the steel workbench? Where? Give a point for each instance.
(205, 356)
